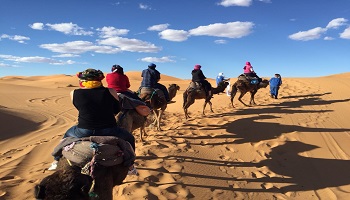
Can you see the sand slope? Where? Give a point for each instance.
(295, 147)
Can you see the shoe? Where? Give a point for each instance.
(133, 171)
(53, 166)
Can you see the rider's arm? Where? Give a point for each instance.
(114, 93)
(71, 95)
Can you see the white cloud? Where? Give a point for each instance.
(132, 45)
(311, 34)
(79, 47)
(336, 23)
(227, 3)
(229, 30)
(35, 59)
(345, 34)
(67, 55)
(69, 29)
(328, 38)
(159, 27)
(266, 1)
(220, 41)
(17, 38)
(110, 31)
(5, 65)
(163, 59)
(174, 35)
(37, 26)
(144, 7)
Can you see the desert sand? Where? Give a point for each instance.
(294, 147)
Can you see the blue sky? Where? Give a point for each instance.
(296, 38)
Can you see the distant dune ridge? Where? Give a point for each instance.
(294, 147)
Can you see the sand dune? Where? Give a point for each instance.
(294, 147)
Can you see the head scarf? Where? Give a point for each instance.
(197, 67)
(90, 78)
(118, 69)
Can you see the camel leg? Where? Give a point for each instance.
(155, 113)
(205, 104)
(211, 106)
(240, 98)
(186, 113)
(252, 101)
(159, 117)
(188, 101)
(142, 132)
(233, 94)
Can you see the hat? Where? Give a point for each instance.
(114, 67)
(247, 63)
(152, 65)
(91, 75)
(221, 74)
(197, 67)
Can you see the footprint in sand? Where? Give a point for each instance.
(267, 185)
(258, 174)
(2, 193)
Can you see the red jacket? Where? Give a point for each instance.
(119, 82)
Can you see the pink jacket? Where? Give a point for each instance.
(248, 69)
(119, 82)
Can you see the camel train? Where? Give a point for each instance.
(99, 178)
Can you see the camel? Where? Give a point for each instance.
(244, 86)
(191, 94)
(155, 99)
(172, 89)
(69, 182)
(131, 120)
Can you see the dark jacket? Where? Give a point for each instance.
(198, 76)
(150, 77)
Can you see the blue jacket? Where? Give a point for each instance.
(150, 77)
(275, 82)
(219, 79)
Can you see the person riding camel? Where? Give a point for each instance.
(151, 78)
(249, 71)
(198, 76)
(221, 78)
(94, 103)
(120, 82)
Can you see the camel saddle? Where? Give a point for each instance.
(248, 79)
(103, 150)
(146, 93)
(196, 86)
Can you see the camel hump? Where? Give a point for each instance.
(146, 90)
(195, 85)
(107, 154)
(243, 77)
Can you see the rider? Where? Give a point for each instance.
(151, 78)
(120, 82)
(221, 78)
(198, 76)
(95, 118)
(249, 71)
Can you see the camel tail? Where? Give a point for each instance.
(233, 92)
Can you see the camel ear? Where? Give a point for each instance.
(39, 192)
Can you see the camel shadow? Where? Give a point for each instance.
(301, 173)
(251, 130)
(305, 96)
(293, 171)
